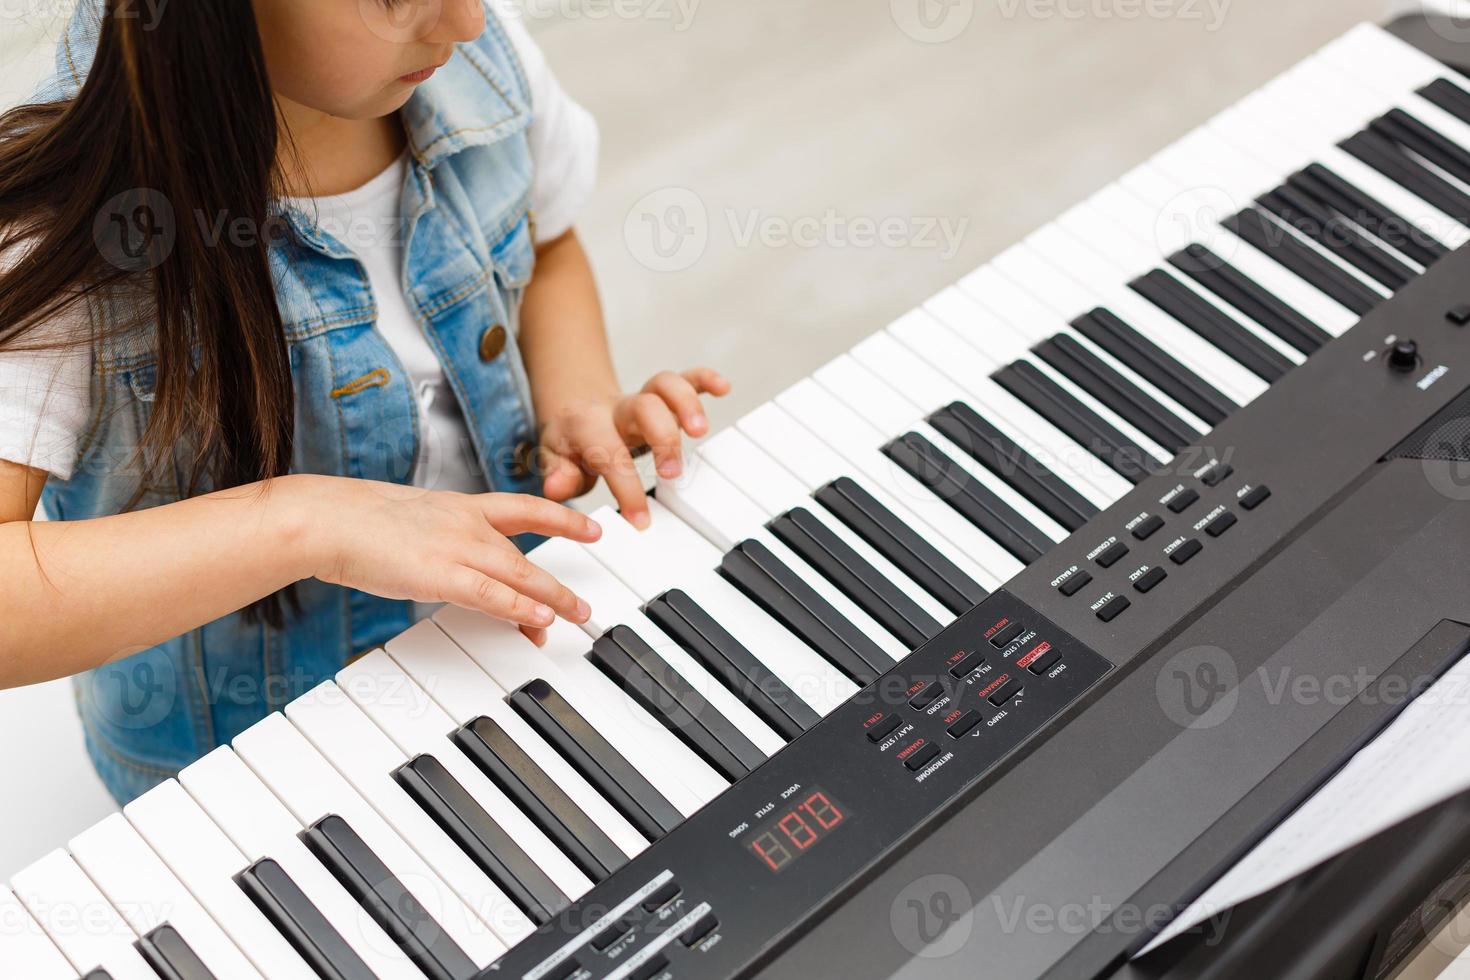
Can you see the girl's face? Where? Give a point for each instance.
(360, 59)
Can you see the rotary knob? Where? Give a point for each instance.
(1404, 356)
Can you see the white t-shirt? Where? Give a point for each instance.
(45, 396)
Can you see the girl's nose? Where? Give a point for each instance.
(459, 20)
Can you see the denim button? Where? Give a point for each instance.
(492, 342)
(523, 459)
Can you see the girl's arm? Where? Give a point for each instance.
(588, 426)
(80, 594)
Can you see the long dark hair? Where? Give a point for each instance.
(175, 118)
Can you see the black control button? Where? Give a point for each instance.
(967, 666)
(563, 970)
(666, 894)
(883, 727)
(1006, 634)
(1216, 474)
(651, 968)
(1148, 527)
(1404, 356)
(611, 934)
(1045, 662)
(1183, 500)
(1149, 579)
(1005, 692)
(702, 927)
(1112, 554)
(1113, 608)
(921, 757)
(1256, 497)
(1221, 524)
(1079, 581)
(965, 724)
(1459, 315)
(1186, 550)
(927, 696)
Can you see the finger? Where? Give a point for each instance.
(475, 590)
(659, 428)
(521, 513)
(536, 636)
(609, 458)
(708, 381)
(679, 395)
(507, 565)
(564, 478)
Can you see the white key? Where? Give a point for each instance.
(680, 776)
(1049, 285)
(834, 423)
(261, 826)
(673, 555)
(869, 393)
(614, 604)
(205, 861)
(25, 949)
(949, 352)
(418, 726)
(776, 491)
(78, 919)
(466, 692)
(146, 894)
(311, 789)
(717, 509)
(815, 464)
(367, 758)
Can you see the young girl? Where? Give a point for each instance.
(293, 325)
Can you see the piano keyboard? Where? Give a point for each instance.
(448, 795)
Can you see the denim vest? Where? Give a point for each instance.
(468, 255)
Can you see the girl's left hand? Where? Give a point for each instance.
(594, 438)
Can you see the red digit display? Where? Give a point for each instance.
(791, 830)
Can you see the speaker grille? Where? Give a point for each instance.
(1446, 436)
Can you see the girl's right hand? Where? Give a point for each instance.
(429, 546)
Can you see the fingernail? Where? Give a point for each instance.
(668, 469)
(698, 422)
(584, 611)
(594, 529)
(639, 519)
(544, 614)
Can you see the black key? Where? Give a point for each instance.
(1154, 365)
(650, 967)
(900, 544)
(386, 901)
(493, 850)
(1364, 209)
(1336, 236)
(727, 658)
(665, 894)
(1413, 133)
(1217, 474)
(563, 970)
(1148, 527)
(965, 724)
(922, 757)
(1255, 497)
(1186, 550)
(603, 940)
(1093, 375)
(1113, 608)
(519, 777)
(1177, 300)
(649, 680)
(1113, 554)
(300, 922)
(1075, 583)
(1028, 476)
(882, 728)
(801, 531)
(1183, 500)
(927, 696)
(968, 665)
(1150, 579)
(1221, 524)
(1075, 419)
(599, 763)
(1005, 692)
(1449, 97)
(1270, 238)
(1003, 637)
(959, 488)
(1045, 662)
(1382, 155)
(754, 570)
(1248, 296)
(702, 927)
(170, 956)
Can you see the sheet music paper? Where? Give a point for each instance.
(1418, 761)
